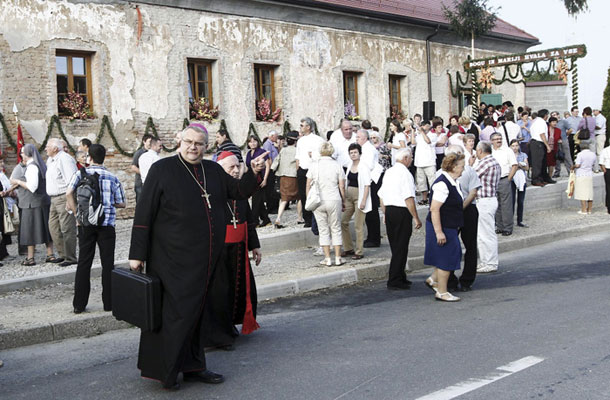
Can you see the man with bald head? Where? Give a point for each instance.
(62, 224)
(179, 230)
(341, 139)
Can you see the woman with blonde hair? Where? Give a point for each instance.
(329, 178)
(446, 216)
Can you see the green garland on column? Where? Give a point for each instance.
(574, 83)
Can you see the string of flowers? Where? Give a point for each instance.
(263, 111)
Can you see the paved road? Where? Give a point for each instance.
(537, 329)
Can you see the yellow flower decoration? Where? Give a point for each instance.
(486, 78)
(562, 69)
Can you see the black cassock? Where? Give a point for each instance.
(181, 240)
(227, 290)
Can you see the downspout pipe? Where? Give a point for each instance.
(429, 71)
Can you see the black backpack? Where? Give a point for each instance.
(89, 208)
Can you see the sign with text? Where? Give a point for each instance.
(513, 59)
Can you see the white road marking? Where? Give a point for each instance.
(459, 389)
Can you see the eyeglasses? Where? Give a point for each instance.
(190, 143)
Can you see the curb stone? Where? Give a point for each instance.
(103, 322)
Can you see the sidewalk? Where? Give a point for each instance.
(38, 308)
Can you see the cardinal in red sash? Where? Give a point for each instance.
(232, 287)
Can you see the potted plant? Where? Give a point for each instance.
(263, 111)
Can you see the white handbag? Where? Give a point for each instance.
(313, 197)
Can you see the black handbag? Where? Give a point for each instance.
(136, 299)
(560, 154)
(584, 134)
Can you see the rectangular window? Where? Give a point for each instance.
(264, 83)
(350, 88)
(200, 80)
(395, 81)
(73, 71)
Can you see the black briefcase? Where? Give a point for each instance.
(136, 299)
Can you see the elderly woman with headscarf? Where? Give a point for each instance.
(34, 203)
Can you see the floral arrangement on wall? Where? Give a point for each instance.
(349, 111)
(263, 111)
(74, 107)
(396, 113)
(202, 111)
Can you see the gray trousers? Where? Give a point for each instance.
(567, 162)
(63, 228)
(504, 213)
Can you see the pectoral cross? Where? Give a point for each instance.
(207, 198)
(234, 221)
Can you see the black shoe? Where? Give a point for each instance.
(307, 225)
(206, 376)
(228, 347)
(465, 288)
(498, 231)
(522, 225)
(66, 263)
(171, 386)
(550, 181)
(452, 288)
(399, 286)
(506, 233)
(78, 310)
(371, 244)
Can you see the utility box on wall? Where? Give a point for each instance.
(491, 98)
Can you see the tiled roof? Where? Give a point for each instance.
(424, 10)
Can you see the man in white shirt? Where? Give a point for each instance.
(370, 157)
(508, 165)
(307, 151)
(341, 139)
(509, 129)
(425, 159)
(539, 146)
(150, 157)
(397, 198)
(62, 224)
(600, 130)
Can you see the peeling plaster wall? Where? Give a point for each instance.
(132, 81)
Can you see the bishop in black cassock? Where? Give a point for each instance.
(179, 230)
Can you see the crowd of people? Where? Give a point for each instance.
(502, 151)
(469, 173)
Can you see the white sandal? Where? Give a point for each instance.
(326, 262)
(431, 284)
(446, 297)
(339, 261)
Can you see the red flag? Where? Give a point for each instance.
(20, 143)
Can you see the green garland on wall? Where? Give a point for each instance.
(105, 126)
(9, 138)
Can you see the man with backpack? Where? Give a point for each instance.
(93, 195)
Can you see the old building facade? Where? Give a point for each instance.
(138, 60)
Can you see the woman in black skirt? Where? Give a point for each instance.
(446, 216)
(34, 204)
